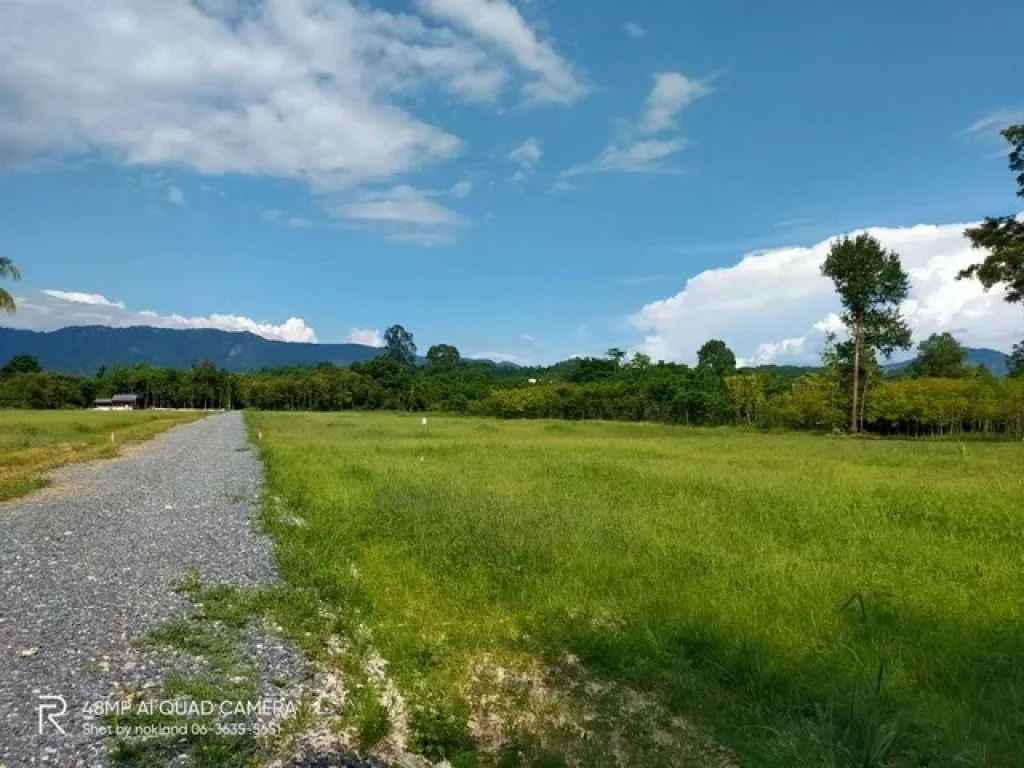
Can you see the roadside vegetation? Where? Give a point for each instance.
(544, 592)
(34, 442)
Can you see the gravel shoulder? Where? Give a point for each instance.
(87, 567)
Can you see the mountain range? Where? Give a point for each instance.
(82, 349)
(997, 362)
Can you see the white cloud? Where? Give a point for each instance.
(83, 298)
(634, 30)
(500, 23)
(300, 90)
(175, 196)
(399, 205)
(527, 154)
(639, 149)
(638, 157)
(320, 91)
(294, 221)
(991, 124)
(462, 190)
(775, 306)
(370, 337)
(51, 309)
(672, 91)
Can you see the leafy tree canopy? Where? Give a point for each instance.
(716, 357)
(21, 364)
(443, 357)
(400, 345)
(940, 356)
(871, 284)
(1016, 362)
(1002, 236)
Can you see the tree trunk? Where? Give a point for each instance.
(856, 375)
(864, 401)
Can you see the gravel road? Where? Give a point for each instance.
(86, 567)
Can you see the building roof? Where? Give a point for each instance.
(124, 399)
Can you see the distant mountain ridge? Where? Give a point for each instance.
(82, 349)
(997, 362)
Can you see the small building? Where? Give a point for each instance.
(117, 403)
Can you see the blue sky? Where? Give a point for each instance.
(526, 179)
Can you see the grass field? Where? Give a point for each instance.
(548, 592)
(34, 442)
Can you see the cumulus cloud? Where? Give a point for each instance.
(500, 23)
(52, 309)
(774, 306)
(370, 337)
(642, 148)
(634, 30)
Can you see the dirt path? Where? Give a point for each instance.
(87, 567)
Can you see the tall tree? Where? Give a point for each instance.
(443, 357)
(717, 357)
(7, 269)
(940, 356)
(400, 345)
(871, 284)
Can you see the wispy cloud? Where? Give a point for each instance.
(462, 190)
(528, 153)
(75, 297)
(642, 147)
(671, 93)
(500, 23)
(639, 157)
(175, 196)
(991, 124)
(634, 30)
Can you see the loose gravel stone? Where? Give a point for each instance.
(87, 567)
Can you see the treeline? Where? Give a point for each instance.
(937, 395)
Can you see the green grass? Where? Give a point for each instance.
(804, 600)
(34, 442)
